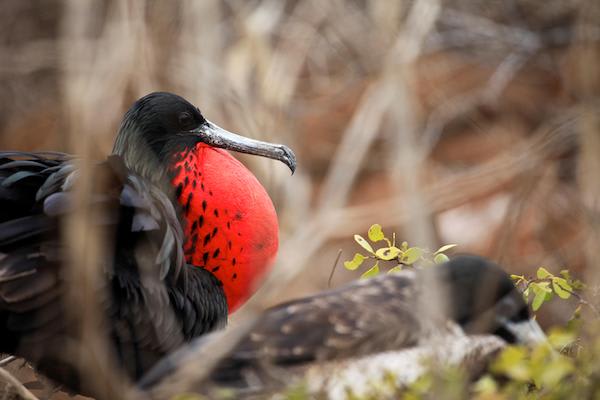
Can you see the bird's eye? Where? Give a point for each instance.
(186, 121)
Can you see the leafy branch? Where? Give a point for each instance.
(546, 285)
(380, 248)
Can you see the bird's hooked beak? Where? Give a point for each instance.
(527, 332)
(216, 136)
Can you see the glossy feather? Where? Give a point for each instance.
(150, 316)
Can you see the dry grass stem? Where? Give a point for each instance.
(12, 389)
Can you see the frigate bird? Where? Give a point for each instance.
(347, 339)
(191, 232)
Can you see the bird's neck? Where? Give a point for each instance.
(144, 159)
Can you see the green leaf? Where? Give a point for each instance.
(411, 255)
(559, 289)
(363, 243)
(375, 233)
(560, 338)
(512, 355)
(538, 300)
(542, 273)
(554, 373)
(387, 253)
(577, 284)
(512, 362)
(563, 283)
(440, 258)
(486, 385)
(355, 263)
(565, 274)
(445, 248)
(373, 271)
(540, 287)
(396, 269)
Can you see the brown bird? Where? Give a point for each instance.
(347, 338)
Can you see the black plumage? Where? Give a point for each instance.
(148, 319)
(153, 301)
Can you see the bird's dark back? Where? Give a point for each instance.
(152, 300)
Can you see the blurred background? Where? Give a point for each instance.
(473, 122)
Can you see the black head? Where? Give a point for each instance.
(483, 299)
(157, 120)
(161, 124)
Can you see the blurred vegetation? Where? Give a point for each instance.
(565, 367)
(472, 122)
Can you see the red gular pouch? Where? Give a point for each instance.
(231, 225)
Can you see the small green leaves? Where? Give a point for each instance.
(538, 300)
(373, 271)
(440, 258)
(355, 262)
(543, 273)
(513, 363)
(546, 285)
(542, 293)
(561, 287)
(375, 233)
(363, 243)
(486, 385)
(554, 372)
(576, 284)
(445, 248)
(387, 253)
(401, 256)
(560, 338)
(411, 255)
(540, 365)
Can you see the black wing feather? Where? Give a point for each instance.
(157, 302)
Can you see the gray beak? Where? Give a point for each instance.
(216, 136)
(527, 332)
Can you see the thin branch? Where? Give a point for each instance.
(335, 263)
(14, 384)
